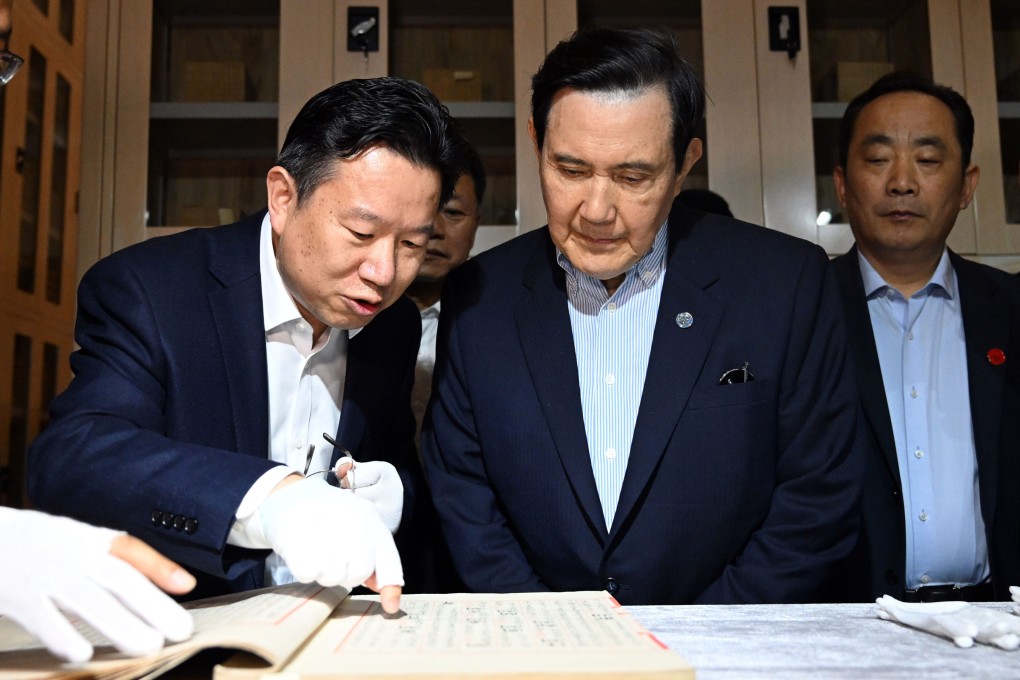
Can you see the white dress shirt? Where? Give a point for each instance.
(305, 395)
(425, 365)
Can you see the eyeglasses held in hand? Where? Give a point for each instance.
(331, 474)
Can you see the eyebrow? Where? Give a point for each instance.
(643, 166)
(886, 140)
(369, 216)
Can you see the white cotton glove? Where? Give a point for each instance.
(379, 483)
(329, 535)
(1014, 592)
(960, 622)
(52, 562)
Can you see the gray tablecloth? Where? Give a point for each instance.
(815, 641)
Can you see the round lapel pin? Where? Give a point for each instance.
(996, 357)
(684, 320)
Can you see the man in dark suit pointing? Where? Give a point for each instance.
(212, 362)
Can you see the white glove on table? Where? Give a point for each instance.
(960, 622)
(377, 482)
(329, 535)
(1014, 592)
(54, 562)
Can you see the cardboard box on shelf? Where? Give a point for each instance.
(854, 77)
(214, 81)
(454, 85)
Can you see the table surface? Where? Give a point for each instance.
(815, 641)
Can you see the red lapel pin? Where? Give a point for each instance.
(996, 357)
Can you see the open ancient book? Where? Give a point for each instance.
(307, 631)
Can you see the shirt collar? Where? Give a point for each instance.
(645, 270)
(943, 278)
(278, 307)
(430, 312)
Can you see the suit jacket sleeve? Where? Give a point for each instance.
(130, 445)
(813, 517)
(487, 555)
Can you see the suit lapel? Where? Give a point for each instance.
(235, 298)
(351, 428)
(985, 326)
(543, 324)
(675, 362)
(864, 353)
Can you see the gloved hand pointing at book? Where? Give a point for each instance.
(99, 575)
(332, 536)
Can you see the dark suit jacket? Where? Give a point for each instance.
(990, 301)
(734, 493)
(168, 412)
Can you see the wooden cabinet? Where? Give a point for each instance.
(154, 157)
(40, 143)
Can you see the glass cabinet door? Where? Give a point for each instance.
(851, 45)
(213, 114)
(1006, 46)
(683, 17)
(464, 52)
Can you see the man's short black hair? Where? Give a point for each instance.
(468, 162)
(903, 81)
(621, 60)
(354, 115)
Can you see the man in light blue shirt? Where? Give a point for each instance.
(640, 397)
(932, 336)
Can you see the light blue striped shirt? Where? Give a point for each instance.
(612, 342)
(922, 352)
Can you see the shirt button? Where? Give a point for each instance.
(923, 516)
(300, 326)
(610, 379)
(925, 578)
(919, 454)
(910, 336)
(611, 307)
(298, 443)
(913, 392)
(610, 453)
(612, 587)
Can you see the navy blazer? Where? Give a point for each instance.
(990, 301)
(733, 493)
(165, 426)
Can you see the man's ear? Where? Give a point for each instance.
(839, 181)
(691, 156)
(281, 190)
(970, 181)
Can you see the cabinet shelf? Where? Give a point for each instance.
(213, 110)
(481, 109)
(828, 110)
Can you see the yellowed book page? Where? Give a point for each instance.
(533, 635)
(271, 623)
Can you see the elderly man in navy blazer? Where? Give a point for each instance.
(212, 363)
(655, 404)
(935, 340)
